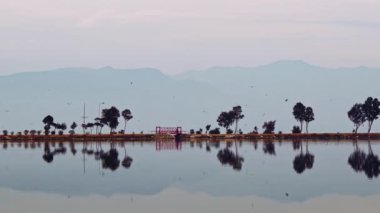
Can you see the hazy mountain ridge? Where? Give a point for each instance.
(191, 99)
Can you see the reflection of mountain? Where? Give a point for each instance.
(369, 163)
(303, 161)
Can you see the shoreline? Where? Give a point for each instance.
(192, 137)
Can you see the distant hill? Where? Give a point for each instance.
(191, 99)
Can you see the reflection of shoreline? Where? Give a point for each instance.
(176, 200)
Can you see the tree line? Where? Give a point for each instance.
(109, 117)
(359, 114)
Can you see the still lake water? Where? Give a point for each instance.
(188, 177)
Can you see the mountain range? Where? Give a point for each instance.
(191, 99)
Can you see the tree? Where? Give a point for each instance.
(269, 127)
(308, 117)
(127, 115)
(237, 115)
(91, 126)
(356, 115)
(110, 118)
(72, 127)
(61, 126)
(48, 120)
(371, 110)
(299, 113)
(225, 120)
(208, 128)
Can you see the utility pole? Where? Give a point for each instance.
(84, 117)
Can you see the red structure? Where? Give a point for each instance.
(168, 130)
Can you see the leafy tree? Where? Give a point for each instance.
(208, 128)
(127, 115)
(357, 116)
(225, 119)
(237, 115)
(308, 117)
(371, 110)
(61, 126)
(47, 129)
(48, 120)
(73, 126)
(269, 127)
(299, 113)
(91, 126)
(110, 118)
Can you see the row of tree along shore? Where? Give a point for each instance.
(194, 137)
(359, 114)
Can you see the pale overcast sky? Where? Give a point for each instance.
(178, 35)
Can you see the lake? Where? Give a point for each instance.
(190, 176)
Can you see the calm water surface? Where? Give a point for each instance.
(187, 177)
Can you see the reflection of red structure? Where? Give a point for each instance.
(169, 130)
(168, 145)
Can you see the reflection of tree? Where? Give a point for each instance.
(72, 148)
(228, 157)
(110, 159)
(269, 148)
(369, 163)
(126, 163)
(357, 158)
(48, 156)
(303, 161)
(296, 144)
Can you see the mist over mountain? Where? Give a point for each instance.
(191, 99)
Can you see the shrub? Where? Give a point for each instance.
(215, 131)
(296, 129)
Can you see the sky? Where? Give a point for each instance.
(178, 35)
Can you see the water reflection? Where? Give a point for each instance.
(269, 148)
(303, 161)
(227, 157)
(360, 161)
